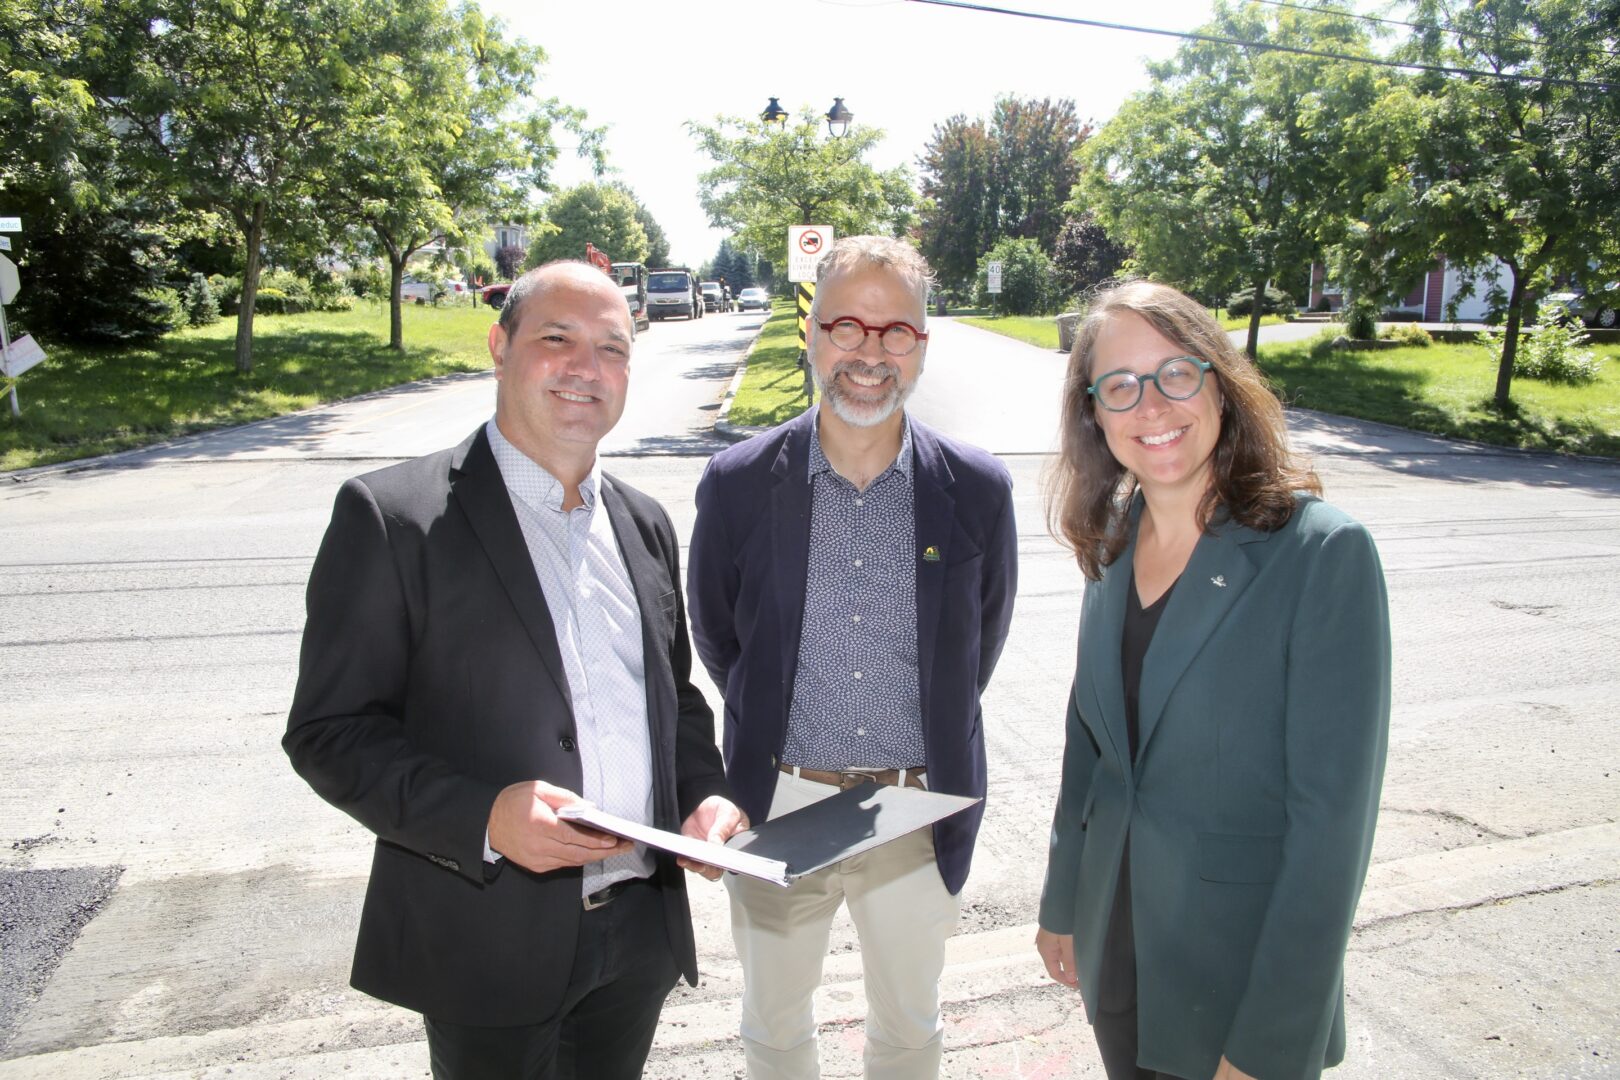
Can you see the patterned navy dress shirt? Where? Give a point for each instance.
(855, 694)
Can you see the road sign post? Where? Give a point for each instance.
(993, 274)
(806, 246)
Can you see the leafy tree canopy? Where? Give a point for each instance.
(766, 179)
(599, 214)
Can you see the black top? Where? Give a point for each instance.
(1140, 622)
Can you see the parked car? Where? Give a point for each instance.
(427, 291)
(714, 297)
(754, 298)
(495, 295)
(1597, 311)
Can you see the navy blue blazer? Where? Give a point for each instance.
(746, 577)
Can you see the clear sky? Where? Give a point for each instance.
(644, 68)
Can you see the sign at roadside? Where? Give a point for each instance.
(806, 245)
(993, 272)
(5, 243)
(20, 355)
(10, 283)
(10, 224)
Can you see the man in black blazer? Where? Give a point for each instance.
(852, 578)
(494, 631)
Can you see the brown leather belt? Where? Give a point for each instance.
(856, 777)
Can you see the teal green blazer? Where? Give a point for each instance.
(1264, 715)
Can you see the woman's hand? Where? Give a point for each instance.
(1228, 1071)
(1057, 953)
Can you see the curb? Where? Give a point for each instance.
(724, 427)
(995, 970)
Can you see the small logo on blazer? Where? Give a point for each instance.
(930, 553)
(1219, 581)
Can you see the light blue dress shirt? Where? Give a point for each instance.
(598, 623)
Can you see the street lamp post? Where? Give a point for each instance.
(839, 118)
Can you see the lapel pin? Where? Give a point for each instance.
(930, 553)
(1219, 581)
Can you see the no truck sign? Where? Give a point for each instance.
(806, 245)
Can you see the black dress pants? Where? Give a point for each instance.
(1115, 1023)
(623, 969)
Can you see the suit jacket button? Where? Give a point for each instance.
(567, 743)
(773, 761)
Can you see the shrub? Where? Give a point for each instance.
(1028, 284)
(1276, 302)
(227, 290)
(95, 277)
(1409, 334)
(201, 305)
(1553, 352)
(296, 294)
(273, 301)
(170, 309)
(1360, 318)
(367, 281)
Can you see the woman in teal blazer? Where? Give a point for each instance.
(1229, 717)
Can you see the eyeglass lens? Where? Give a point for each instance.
(1178, 379)
(898, 339)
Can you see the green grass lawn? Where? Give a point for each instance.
(1042, 330)
(773, 390)
(84, 401)
(1448, 390)
(1035, 329)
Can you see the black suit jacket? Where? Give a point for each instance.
(429, 679)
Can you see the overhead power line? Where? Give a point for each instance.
(1267, 46)
(1594, 50)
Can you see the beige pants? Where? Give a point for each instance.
(903, 915)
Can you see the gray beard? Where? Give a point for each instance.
(863, 416)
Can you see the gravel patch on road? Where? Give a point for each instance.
(41, 913)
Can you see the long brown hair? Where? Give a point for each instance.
(1255, 475)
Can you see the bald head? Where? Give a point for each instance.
(573, 273)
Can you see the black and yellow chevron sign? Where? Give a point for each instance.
(806, 293)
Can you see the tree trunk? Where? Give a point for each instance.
(396, 323)
(1510, 338)
(1256, 313)
(250, 291)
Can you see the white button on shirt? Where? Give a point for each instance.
(593, 609)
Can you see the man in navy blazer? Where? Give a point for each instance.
(851, 582)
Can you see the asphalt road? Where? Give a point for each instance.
(150, 612)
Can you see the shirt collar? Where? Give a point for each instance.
(901, 464)
(527, 480)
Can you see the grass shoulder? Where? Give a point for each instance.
(772, 392)
(1041, 330)
(1448, 390)
(85, 401)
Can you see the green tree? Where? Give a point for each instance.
(1222, 173)
(240, 106)
(1005, 177)
(599, 214)
(1085, 256)
(960, 215)
(1034, 166)
(766, 179)
(453, 138)
(95, 251)
(1521, 170)
(1028, 285)
(657, 240)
